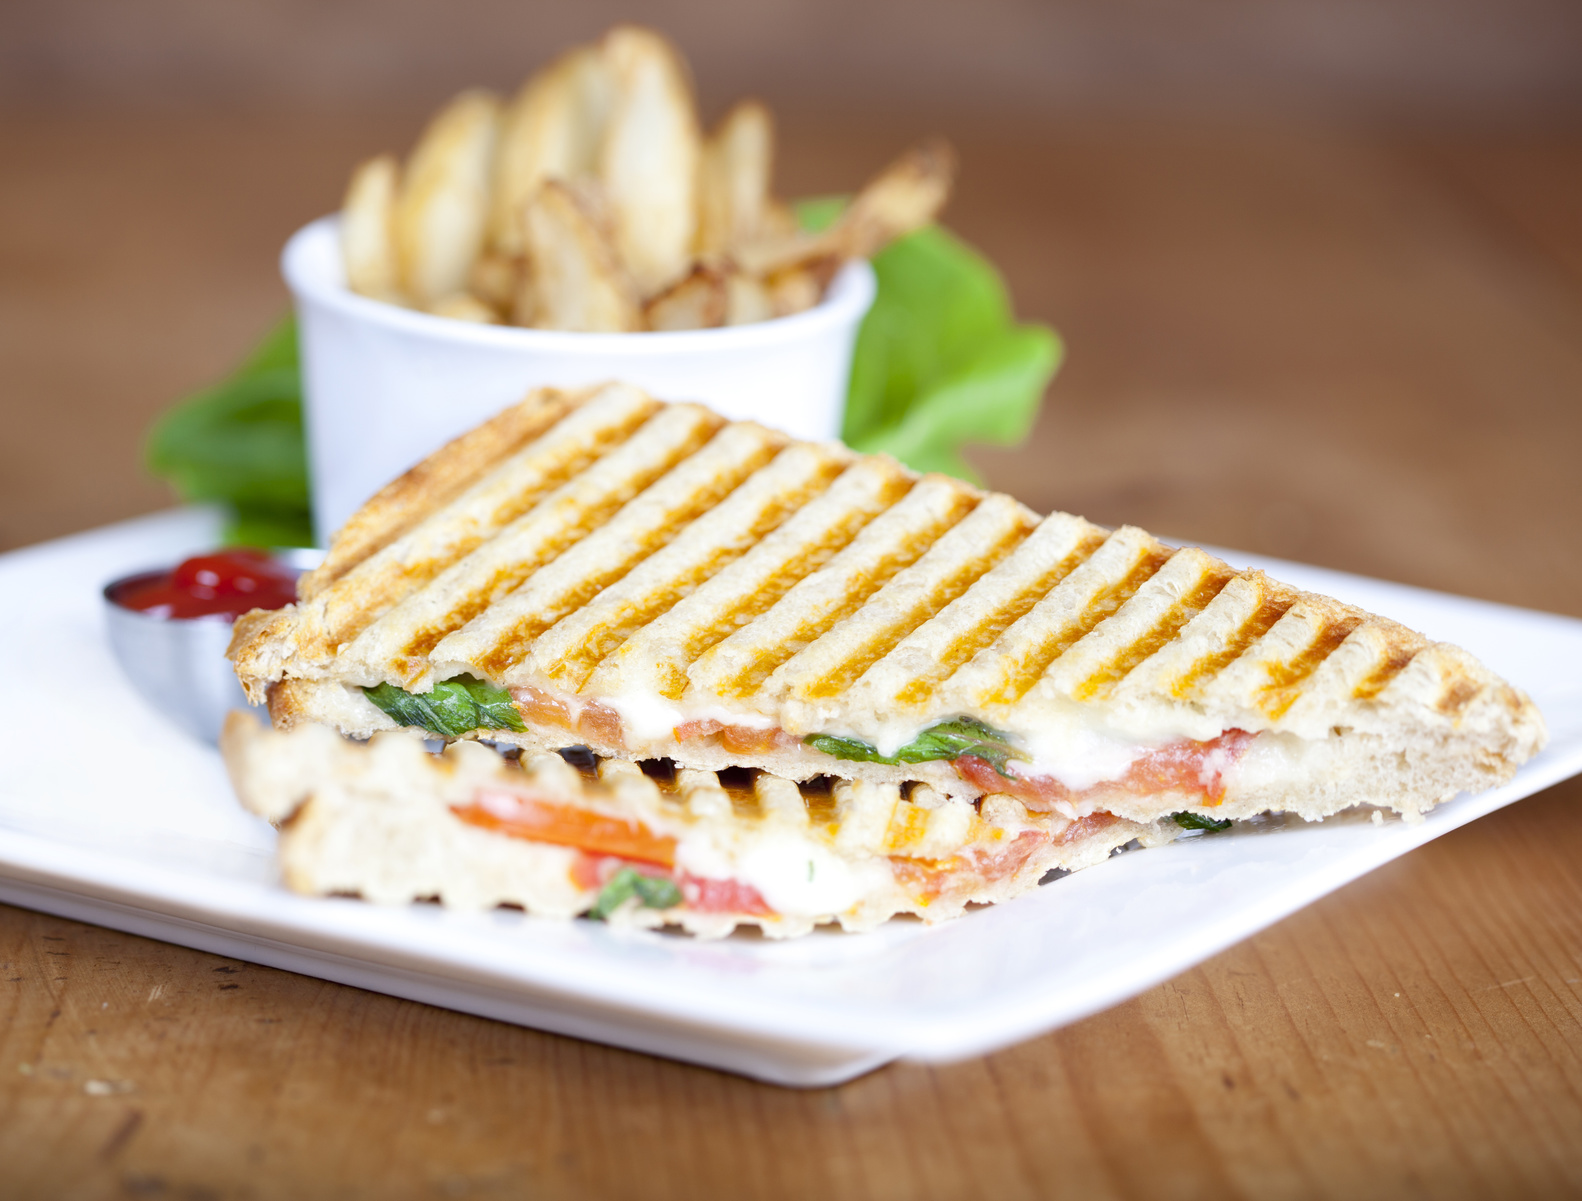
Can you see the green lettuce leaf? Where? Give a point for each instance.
(940, 360)
(240, 443)
(947, 740)
(453, 708)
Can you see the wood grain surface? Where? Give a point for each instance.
(1354, 347)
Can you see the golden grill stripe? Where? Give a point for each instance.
(1003, 672)
(567, 653)
(911, 672)
(439, 479)
(411, 561)
(1396, 660)
(1286, 677)
(973, 546)
(398, 645)
(1152, 619)
(657, 656)
(501, 636)
(740, 666)
(1268, 607)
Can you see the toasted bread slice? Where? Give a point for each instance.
(650, 580)
(390, 822)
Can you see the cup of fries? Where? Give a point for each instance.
(585, 230)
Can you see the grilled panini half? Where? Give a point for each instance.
(388, 821)
(650, 580)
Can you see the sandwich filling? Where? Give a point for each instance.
(986, 760)
(643, 844)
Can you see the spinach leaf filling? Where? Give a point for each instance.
(652, 892)
(454, 707)
(1194, 821)
(947, 740)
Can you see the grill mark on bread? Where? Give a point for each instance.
(707, 546)
(887, 545)
(441, 477)
(1287, 678)
(733, 618)
(1270, 609)
(1103, 606)
(977, 544)
(1457, 696)
(555, 523)
(1397, 660)
(996, 621)
(1165, 631)
(644, 526)
(511, 487)
(659, 655)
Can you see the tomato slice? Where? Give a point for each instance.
(706, 895)
(1195, 768)
(538, 820)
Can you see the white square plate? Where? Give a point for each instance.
(108, 814)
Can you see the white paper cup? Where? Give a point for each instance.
(384, 386)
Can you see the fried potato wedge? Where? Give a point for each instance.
(906, 195)
(577, 280)
(746, 299)
(464, 307)
(733, 182)
(496, 278)
(367, 230)
(552, 129)
(649, 159)
(800, 288)
(698, 301)
(444, 202)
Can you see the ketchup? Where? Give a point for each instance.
(228, 583)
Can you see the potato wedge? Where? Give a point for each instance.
(733, 183)
(551, 130)
(747, 299)
(906, 195)
(801, 287)
(367, 230)
(461, 306)
(577, 280)
(698, 301)
(495, 278)
(444, 202)
(649, 159)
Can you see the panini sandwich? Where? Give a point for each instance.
(392, 823)
(650, 581)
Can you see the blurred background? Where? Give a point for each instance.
(1318, 263)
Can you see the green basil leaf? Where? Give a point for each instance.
(452, 708)
(496, 709)
(656, 892)
(614, 893)
(652, 892)
(947, 740)
(1193, 821)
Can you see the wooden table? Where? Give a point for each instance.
(1353, 347)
